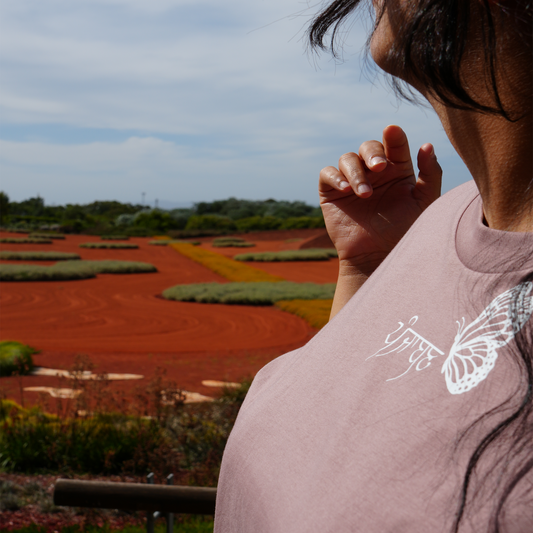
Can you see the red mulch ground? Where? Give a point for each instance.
(123, 325)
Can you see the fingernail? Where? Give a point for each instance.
(344, 185)
(364, 188)
(377, 161)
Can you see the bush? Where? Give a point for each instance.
(166, 242)
(71, 270)
(314, 312)
(15, 358)
(249, 293)
(231, 242)
(46, 236)
(114, 237)
(11, 240)
(225, 240)
(208, 222)
(311, 254)
(228, 268)
(258, 223)
(38, 256)
(113, 245)
(303, 223)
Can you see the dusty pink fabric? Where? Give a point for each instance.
(358, 430)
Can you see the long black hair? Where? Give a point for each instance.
(429, 49)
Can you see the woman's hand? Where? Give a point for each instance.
(371, 201)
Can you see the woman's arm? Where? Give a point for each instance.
(371, 201)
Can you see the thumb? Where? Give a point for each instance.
(429, 180)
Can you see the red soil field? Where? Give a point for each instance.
(124, 326)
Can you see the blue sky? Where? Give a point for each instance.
(185, 100)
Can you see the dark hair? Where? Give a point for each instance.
(430, 49)
(432, 42)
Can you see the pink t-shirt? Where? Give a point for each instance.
(358, 431)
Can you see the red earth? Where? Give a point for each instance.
(124, 326)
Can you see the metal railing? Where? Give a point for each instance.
(157, 500)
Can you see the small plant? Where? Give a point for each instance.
(249, 293)
(114, 237)
(15, 358)
(38, 256)
(71, 270)
(13, 240)
(113, 245)
(311, 254)
(228, 268)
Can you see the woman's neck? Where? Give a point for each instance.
(499, 155)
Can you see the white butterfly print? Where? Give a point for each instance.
(474, 350)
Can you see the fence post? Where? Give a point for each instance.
(150, 515)
(170, 516)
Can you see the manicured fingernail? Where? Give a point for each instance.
(344, 185)
(377, 161)
(364, 188)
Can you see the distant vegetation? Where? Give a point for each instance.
(10, 240)
(231, 242)
(71, 270)
(112, 245)
(310, 254)
(113, 218)
(37, 256)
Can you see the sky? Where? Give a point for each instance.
(185, 101)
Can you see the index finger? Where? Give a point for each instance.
(396, 145)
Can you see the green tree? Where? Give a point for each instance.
(4, 207)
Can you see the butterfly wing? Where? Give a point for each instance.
(474, 351)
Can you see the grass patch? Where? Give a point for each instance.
(114, 237)
(228, 268)
(314, 312)
(15, 358)
(166, 242)
(46, 236)
(249, 293)
(113, 245)
(71, 270)
(38, 256)
(311, 254)
(14, 240)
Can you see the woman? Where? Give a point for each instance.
(411, 411)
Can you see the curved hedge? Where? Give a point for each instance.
(46, 236)
(38, 256)
(15, 358)
(71, 270)
(311, 254)
(14, 240)
(166, 242)
(114, 245)
(249, 293)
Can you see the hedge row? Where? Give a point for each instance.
(38, 256)
(314, 312)
(311, 254)
(114, 245)
(228, 268)
(166, 242)
(114, 237)
(249, 293)
(13, 240)
(71, 270)
(46, 236)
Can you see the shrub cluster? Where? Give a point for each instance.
(231, 242)
(38, 256)
(166, 242)
(114, 245)
(15, 358)
(71, 270)
(314, 312)
(46, 236)
(311, 254)
(249, 293)
(12, 240)
(228, 268)
(114, 237)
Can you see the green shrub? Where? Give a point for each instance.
(249, 293)
(11, 240)
(311, 254)
(207, 222)
(71, 270)
(165, 242)
(46, 236)
(258, 223)
(114, 245)
(231, 242)
(37, 256)
(15, 358)
(225, 240)
(303, 223)
(114, 237)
